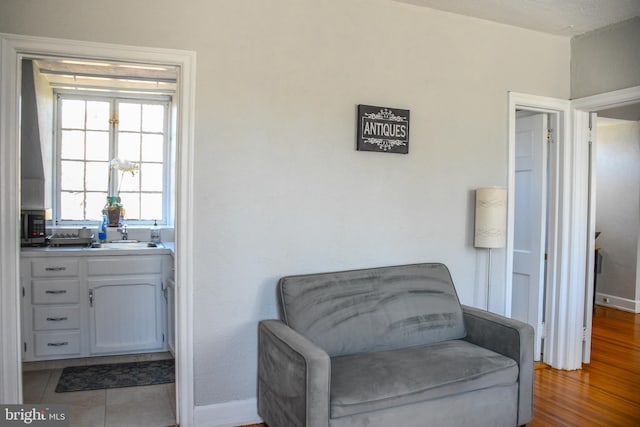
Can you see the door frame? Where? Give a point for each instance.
(559, 156)
(12, 49)
(582, 109)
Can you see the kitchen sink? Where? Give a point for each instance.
(125, 244)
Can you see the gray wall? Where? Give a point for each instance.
(279, 187)
(605, 60)
(36, 138)
(618, 208)
(45, 106)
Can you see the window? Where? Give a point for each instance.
(94, 130)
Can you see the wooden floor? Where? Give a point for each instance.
(605, 392)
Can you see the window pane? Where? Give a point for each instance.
(131, 204)
(129, 116)
(152, 118)
(88, 143)
(71, 205)
(151, 177)
(152, 148)
(151, 206)
(128, 182)
(97, 176)
(129, 146)
(72, 114)
(98, 146)
(72, 144)
(95, 204)
(98, 115)
(72, 175)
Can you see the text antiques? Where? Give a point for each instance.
(383, 129)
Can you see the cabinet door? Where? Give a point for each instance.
(125, 314)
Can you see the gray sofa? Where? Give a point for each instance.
(390, 346)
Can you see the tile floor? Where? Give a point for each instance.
(146, 406)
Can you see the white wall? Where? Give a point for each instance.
(618, 208)
(606, 59)
(279, 186)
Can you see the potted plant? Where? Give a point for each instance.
(114, 210)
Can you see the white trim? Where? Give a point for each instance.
(10, 340)
(185, 236)
(574, 286)
(619, 303)
(584, 135)
(603, 101)
(227, 414)
(12, 49)
(556, 314)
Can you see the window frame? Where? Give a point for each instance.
(113, 97)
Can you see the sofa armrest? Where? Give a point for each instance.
(293, 378)
(511, 338)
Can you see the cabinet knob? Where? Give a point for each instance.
(55, 291)
(56, 319)
(57, 344)
(55, 268)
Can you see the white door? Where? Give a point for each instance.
(530, 223)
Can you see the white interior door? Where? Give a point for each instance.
(530, 223)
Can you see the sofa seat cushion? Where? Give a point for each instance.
(367, 382)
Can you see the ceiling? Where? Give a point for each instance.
(85, 74)
(627, 112)
(559, 17)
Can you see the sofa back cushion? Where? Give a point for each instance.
(373, 309)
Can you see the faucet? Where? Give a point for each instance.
(124, 232)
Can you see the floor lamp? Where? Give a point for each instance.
(490, 225)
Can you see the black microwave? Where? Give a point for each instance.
(33, 228)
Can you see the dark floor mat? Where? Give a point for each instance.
(96, 377)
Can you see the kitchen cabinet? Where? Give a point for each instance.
(79, 306)
(51, 314)
(126, 305)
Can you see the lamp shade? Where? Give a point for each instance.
(491, 217)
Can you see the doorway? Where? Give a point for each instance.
(585, 118)
(537, 217)
(14, 49)
(68, 110)
(617, 200)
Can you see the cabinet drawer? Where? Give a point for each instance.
(54, 267)
(124, 265)
(50, 318)
(55, 291)
(56, 343)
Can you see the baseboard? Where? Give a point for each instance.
(619, 303)
(227, 414)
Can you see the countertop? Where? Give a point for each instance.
(164, 248)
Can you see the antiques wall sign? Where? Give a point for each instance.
(383, 129)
